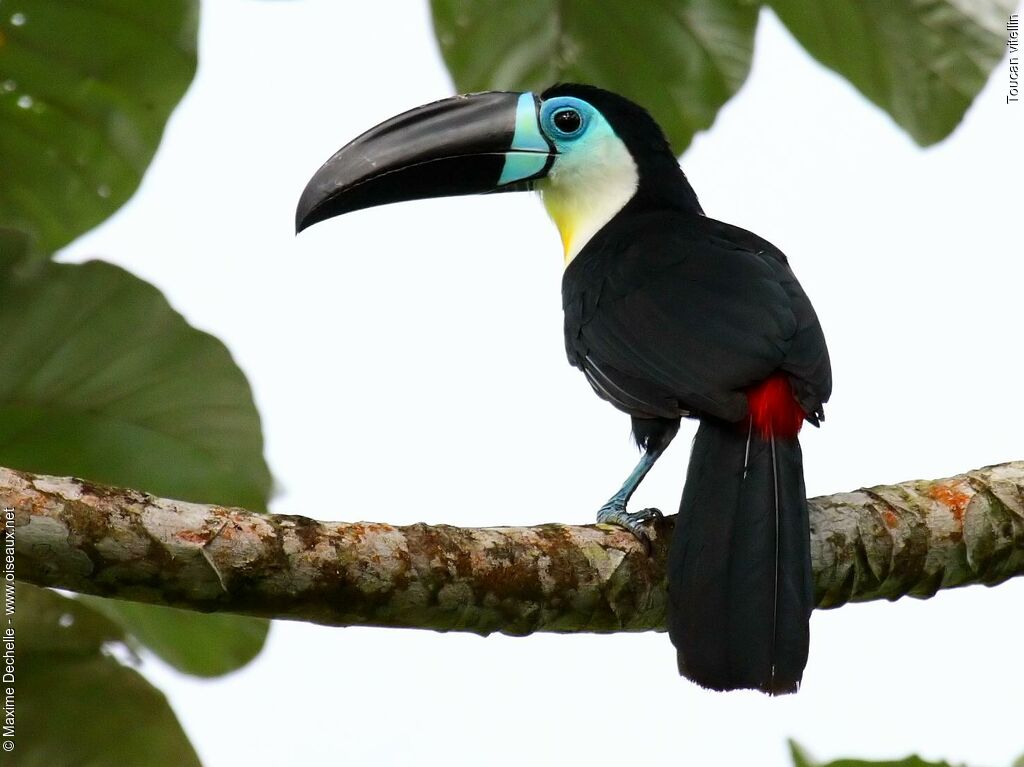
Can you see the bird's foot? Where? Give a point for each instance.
(614, 513)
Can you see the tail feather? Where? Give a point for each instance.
(739, 566)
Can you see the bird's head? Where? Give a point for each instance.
(587, 151)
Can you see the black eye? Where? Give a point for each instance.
(567, 120)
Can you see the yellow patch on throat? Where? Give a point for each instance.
(585, 189)
(565, 220)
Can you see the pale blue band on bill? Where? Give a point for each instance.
(529, 151)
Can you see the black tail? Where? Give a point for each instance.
(739, 567)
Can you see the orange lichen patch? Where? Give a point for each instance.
(192, 536)
(891, 520)
(955, 497)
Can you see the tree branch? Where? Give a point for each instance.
(877, 543)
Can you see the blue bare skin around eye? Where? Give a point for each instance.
(551, 108)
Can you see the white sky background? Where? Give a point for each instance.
(408, 365)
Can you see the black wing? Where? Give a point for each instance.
(670, 313)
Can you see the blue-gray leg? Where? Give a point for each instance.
(614, 511)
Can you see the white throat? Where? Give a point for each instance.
(586, 188)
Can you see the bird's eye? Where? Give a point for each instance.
(567, 121)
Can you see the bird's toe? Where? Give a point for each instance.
(615, 514)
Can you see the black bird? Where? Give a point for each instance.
(669, 314)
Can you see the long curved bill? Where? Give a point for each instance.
(483, 142)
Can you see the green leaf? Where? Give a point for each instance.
(799, 756)
(923, 62)
(203, 645)
(801, 759)
(15, 248)
(85, 91)
(75, 703)
(681, 60)
(101, 378)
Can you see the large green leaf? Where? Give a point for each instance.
(203, 645)
(75, 704)
(85, 90)
(100, 378)
(682, 59)
(922, 61)
(801, 759)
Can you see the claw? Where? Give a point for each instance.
(615, 514)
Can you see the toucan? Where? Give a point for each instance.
(670, 314)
